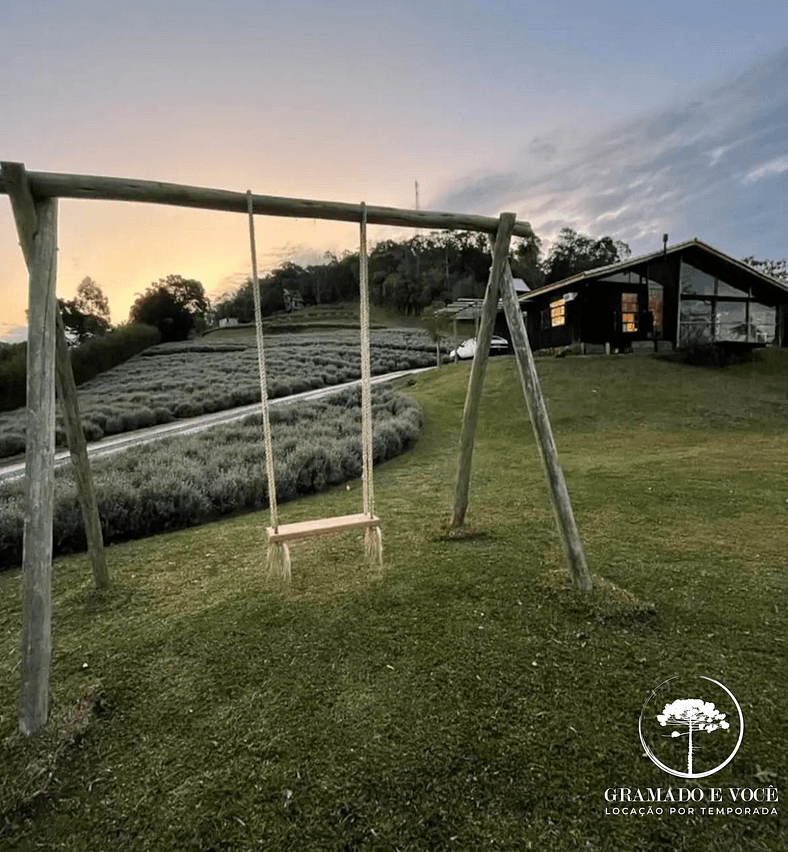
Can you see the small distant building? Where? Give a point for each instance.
(293, 300)
(684, 295)
(227, 322)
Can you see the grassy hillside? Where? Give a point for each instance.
(462, 699)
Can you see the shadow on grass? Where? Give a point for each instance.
(462, 534)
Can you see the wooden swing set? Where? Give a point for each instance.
(34, 196)
(279, 536)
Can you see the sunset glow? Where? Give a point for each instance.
(624, 119)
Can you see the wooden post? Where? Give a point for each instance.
(565, 519)
(78, 449)
(36, 645)
(470, 413)
(26, 217)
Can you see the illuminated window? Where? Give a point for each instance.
(558, 312)
(629, 312)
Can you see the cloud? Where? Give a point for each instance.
(541, 148)
(773, 167)
(713, 166)
(10, 333)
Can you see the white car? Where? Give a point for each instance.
(467, 349)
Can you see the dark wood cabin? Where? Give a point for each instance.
(687, 294)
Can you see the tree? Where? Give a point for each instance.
(437, 325)
(173, 305)
(775, 268)
(187, 292)
(573, 253)
(87, 315)
(91, 300)
(696, 716)
(524, 261)
(79, 326)
(525, 251)
(407, 276)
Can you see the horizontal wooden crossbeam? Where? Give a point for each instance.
(323, 526)
(56, 185)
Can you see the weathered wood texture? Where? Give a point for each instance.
(36, 643)
(26, 220)
(324, 526)
(470, 414)
(52, 185)
(78, 449)
(559, 495)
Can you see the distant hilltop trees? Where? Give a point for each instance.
(411, 275)
(406, 276)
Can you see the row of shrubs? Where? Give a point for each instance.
(181, 380)
(184, 481)
(89, 359)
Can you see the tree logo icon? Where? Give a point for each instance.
(690, 736)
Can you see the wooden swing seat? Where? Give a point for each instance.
(323, 526)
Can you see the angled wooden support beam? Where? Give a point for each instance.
(470, 414)
(78, 450)
(26, 217)
(559, 495)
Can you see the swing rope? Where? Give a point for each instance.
(278, 552)
(366, 371)
(373, 542)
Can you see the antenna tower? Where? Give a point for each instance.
(418, 232)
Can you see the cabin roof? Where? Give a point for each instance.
(634, 261)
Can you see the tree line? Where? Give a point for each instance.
(406, 276)
(410, 275)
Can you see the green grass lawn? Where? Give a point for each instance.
(463, 698)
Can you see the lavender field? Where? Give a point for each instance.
(185, 481)
(179, 380)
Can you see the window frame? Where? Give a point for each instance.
(630, 318)
(558, 313)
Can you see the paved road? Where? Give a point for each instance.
(192, 425)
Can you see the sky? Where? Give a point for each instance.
(624, 119)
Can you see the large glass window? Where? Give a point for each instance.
(726, 314)
(763, 323)
(695, 322)
(724, 289)
(696, 283)
(731, 322)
